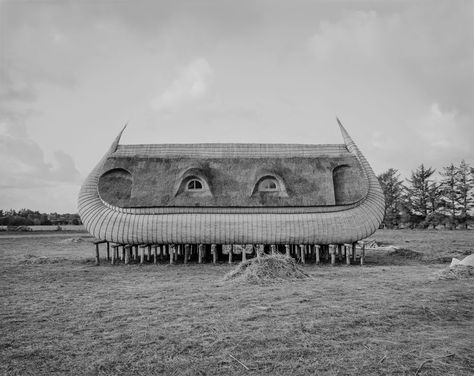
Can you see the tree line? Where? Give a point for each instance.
(27, 217)
(427, 199)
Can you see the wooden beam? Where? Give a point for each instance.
(317, 250)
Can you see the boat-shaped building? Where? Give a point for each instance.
(232, 194)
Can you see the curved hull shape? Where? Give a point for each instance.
(136, 226)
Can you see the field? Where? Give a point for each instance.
(61, 315)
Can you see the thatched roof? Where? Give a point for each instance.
(153, 175)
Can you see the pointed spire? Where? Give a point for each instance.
(345, 135)
(115, 144)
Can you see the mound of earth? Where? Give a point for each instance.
(72, 240)
(31, 259)
(457, 272)
(406, 253)
(266, 268)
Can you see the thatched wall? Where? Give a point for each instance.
(157, 181)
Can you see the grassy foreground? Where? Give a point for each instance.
(390, 317)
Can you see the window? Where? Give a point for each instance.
(268, 185)
(194, 185)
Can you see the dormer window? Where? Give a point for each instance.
(268, 185)
(194, 185)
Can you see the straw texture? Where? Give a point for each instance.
(264, 225)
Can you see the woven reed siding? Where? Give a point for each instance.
(296, 227)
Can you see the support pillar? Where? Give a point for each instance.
(303, 253)
(97, 259)
(214, 253)
(362, 253)
(287, 250)
(200, 253)
(187, 251)
(332, 252)
(317, 248)
(108, 251)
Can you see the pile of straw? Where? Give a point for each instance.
(32, 259)
(266, 268)
(457, 272)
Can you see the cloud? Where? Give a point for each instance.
(191, 85)
(24, 164)
(433, 58)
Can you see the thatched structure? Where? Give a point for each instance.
(232, 194)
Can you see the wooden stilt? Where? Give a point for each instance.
(97, 259)
(127, 254)
(354, 252)
(287, 250)
(339, 252)
(303, 253)
(332, 252)
(122, 257)
(272, 249)
(244, 253)
(348, 253)
(187, 250)
(148, 255)
(230, 254)
(142, 255)
(114, 254)
(200, 253)
(214, 253)
(108, 251)
(172, 250)
(317, 248)
(362, 253)
(155, 254)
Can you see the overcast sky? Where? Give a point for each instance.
(399, 74)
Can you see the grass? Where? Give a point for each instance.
(393, 316)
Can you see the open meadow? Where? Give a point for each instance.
(62, 315)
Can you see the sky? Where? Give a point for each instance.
(399, 75)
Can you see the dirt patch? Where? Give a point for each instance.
(266, 268)
(406, 253)
(31, 259)
(457, 272)
(72, 240)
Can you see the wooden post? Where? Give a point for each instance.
(244, 252)
(200, 253)
(317, 249)
(108, 251)
(97, 260)
(362, 253)
(354, 252)
(339, 252)
(298, 252)
(172, 250)
(287, 250)
(186, 253)
(127, 254)
(142, 254)
(348, 254)
(214, 253)
(155, 254)
(272, 249)
(303, 253)
(230, 254)
(333, 254)
(114, 249)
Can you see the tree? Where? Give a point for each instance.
(449, 192)
(422, 194)
(392, 188)
(465, 189)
